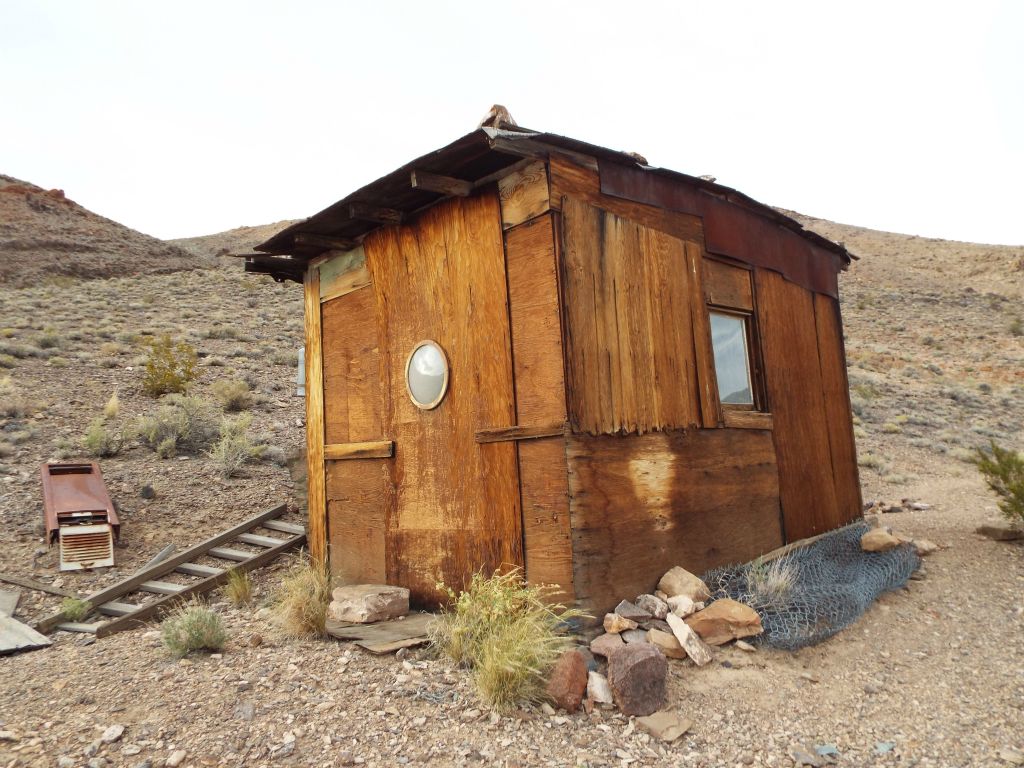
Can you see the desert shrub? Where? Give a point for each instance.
(112, 407)
(1016, 327)
(20, 351)
(6, 449)
(192, 626)
(234, 448)
(8, 361)
(189, 423)
(100, 441)
(65, 448)
(1003, 470)
(75, 608)
(770, 583)
(275, 455)
(300, 603)
(58, 362)
(170, 366)
(233, 395)
(12, 403)
(48, 339)
(238, 587)
(506, 632)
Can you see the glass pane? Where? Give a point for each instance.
(426, 375)
(729, 341)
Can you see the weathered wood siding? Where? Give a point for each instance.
(452, 505)
(642, 504)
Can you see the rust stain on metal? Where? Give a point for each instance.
(79, 513)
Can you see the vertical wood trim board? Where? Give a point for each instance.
(317, 528)
(707, 380)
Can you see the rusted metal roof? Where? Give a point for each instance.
(479, 157)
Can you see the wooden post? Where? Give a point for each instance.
(317, 501)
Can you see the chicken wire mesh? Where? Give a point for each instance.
(812, 593)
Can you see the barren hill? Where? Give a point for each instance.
(44, 234)
(238, 240)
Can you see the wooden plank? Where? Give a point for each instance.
(704, 356)
(628, 325)
(568, 179)
(789, 344)
(311, 240)
(334, 265)
(726, 285)
(161, 587)
(374, 213)
(194, 569)
(160, 556)
(114, 608)
(838, 412)
(16, 637)
(547, 534)
(77, 626)
(283, 527)
(159, 607)
(377, 449)
(523, 194)
(9, 602)
(38, 586)
(500, 434)
(444, 185)
(176, 562)
(258, 541)
(358, 493)
(641, 504)
(345, 283)
(315, 502)
(226, 553)
(737, 419)
(539, 150)
(443, 277)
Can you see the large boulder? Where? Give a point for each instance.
(568, 681)
(636, 675)
(367, 603)
(725, 620)
(680, 581)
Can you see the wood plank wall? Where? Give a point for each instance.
(643, 504)
(454, 507)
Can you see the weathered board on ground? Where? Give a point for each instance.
(643, 504)
(9, 602)
(15, 636)
(384, 636)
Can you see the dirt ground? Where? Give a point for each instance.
(932, 675)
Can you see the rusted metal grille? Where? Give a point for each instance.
(86, 546)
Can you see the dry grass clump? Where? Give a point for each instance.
(234, 449)
(100, 441)
(112, 407)
(238, 587)
(771, 583)
(12, 404)
(300, 602)
(233, 395)
(507, 633)
(1003, 469)
(75, 608)
(179, 423)
(170, 366)
(192, 626)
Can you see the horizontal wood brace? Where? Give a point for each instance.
(500, 434)
(377, 449)
(445, 185)
(374, 213)
(540, 150)
(734, 419)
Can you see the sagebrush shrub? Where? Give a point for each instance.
(507, 633)
(192, 626)
(234, 448)
(170, 366)
(300, 602)
(179, 423)
(75, 608)
(1003, 469)
(100, 441)
(233, 395)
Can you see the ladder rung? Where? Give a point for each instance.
(160, 587)
(259, 541)
(283, 527)
(194, 569)
(75, 626)
(117, 609)
(225, 553)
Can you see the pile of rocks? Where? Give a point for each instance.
(639, 638)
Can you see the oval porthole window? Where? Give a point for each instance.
(426, 375)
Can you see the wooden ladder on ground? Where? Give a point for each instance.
(203, 578)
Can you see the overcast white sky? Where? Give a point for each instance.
(186, 118)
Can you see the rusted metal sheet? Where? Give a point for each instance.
(78, 512)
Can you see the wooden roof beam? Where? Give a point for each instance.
(445, 185)
(374, 213)
(310, 240)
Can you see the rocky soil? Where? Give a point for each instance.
(932, 675)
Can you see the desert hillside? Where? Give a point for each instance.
(44, 234)
(239, 240)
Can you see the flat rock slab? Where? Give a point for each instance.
(368, 603)
(8, 602)
(606, 645)
(725, 620)
(16, 637)
(695, 648)
(679, 581)
(664, 725)
(384, 636)
(1000, 532)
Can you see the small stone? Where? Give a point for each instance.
(1011, 755)
(682, 606)
(1000, 531)
(144, 764)
(97, 762)
(131, 749)
(245, 711)
(924, 547)
(635, 636)
(725, 620)
(66, 762)
(652, 605)
(255, 640)
(177, 758)
(743, 645)
(627, 610)
(92, 749)
(598, 690)
(284, 750)
(367, 603)
(568, 682)
(679, 581)
(9, 736)
(667, 642)
(112, 734)
(636, 676)
(345, 757)
(664, 725)
(695, 648)
(606, 645)
(243, 685)
(615, 623)
(147, 492)
(547, 709)
(878, 540)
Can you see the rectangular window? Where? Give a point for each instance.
(731, 348)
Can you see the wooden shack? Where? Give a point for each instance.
(524, 349)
